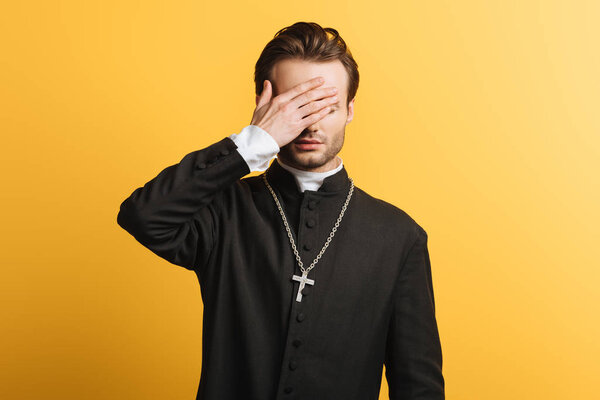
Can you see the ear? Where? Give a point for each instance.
(350, 111)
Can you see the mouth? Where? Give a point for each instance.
(305, 144)
(307, 141)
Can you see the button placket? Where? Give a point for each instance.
(292, 359)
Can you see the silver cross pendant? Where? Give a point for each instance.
(303, 281)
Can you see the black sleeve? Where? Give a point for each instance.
(413, 359)
(174, 214)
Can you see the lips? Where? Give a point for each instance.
(307, 141)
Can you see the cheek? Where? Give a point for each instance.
(337, 119)
(333, 124)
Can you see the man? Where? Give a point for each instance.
(309, 284)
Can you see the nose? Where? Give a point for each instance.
(310, 129)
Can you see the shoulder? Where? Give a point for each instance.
(384, 213)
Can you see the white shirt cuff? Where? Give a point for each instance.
(256, 146)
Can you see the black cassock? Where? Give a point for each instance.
(372, 301)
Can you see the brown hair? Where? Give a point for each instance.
(310, 42)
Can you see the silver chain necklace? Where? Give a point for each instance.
(304, 278)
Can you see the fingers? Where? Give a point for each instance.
(315, 117)
(300, 88)
(316, 106)
(314, 94)
(265, 96)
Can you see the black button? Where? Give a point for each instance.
(201, 166)
(312, 204)
(310, 223)
(306, 291)
(293, 365)
(297, 342)
(224, 152)
(300, 317)
(288, 390)
(307, 246)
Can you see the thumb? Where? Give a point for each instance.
(266, 94)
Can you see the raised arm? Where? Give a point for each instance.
(174, 214)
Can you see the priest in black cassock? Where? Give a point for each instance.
(310, 285)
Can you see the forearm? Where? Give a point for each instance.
(170, 214)
(175, 214)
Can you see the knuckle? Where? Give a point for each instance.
(303, 98)
(285, 107)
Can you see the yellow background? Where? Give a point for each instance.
(478, 118)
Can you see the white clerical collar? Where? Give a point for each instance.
(310, 180)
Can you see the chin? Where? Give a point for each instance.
(310, 163)
(303, 159)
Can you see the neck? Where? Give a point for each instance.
(310, 180)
